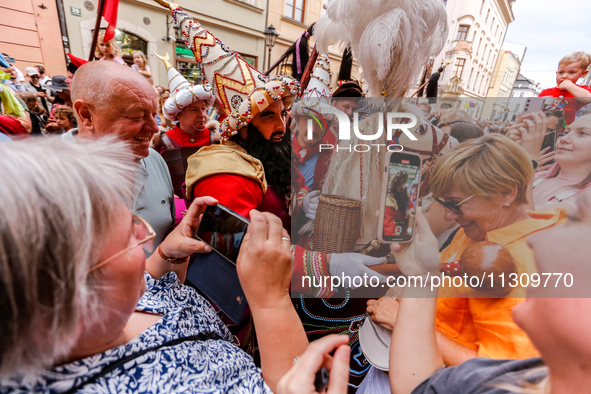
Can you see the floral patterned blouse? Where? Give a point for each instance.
(210, 366)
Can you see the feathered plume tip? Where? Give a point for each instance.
(346, 65)
(391, 39)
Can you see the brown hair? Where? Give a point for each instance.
(484, 167)
(463, 131)
(65, 111)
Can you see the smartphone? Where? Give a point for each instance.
(223, 230)
(399, 198)
(549, 141)
(534, 104)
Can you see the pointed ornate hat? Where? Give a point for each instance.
(241, 90)
(316, 99)
(182, 92)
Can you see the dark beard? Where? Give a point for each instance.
(276, 159)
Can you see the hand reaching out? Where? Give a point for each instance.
(300, 378)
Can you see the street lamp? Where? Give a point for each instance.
(270, 37)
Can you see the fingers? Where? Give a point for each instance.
(370, 261)
(313, 357)
(315, 193)
(192, 217)
(274, 227)
(258, 227)
(339, 373)
(190, 246)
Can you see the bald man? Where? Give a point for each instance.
(112, 99)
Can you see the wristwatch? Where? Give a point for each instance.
(534, 164)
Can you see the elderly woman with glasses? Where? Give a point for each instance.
(483, 185)
(84, 310)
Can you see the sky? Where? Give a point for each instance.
(550, 29)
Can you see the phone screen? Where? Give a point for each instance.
(549, 141)
(223, 230)
(402, 193)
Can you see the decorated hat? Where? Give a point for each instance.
(75, 63)
(316, 97)
(242, 91)
(182, 92)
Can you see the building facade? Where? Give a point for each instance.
(291, 18)
(146, 26)
(522, 88)
(30, 32)
(501, 86)
(476, 33)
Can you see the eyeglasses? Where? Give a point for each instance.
(34, 76)
(143, 232)
(452, 205)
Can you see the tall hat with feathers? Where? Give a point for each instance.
(241, 90)
(317, 96)
(391, 39)
(182, 92)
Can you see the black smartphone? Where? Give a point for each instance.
(223, 230)
(400, 195)
(549, 141)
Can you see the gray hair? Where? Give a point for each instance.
(58, 201)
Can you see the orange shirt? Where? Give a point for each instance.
(485, 324)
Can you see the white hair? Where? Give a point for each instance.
(59, 200)
(184, 97)
(390, 39)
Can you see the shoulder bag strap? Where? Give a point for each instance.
(204, 336)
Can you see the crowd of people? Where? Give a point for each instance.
(100, 162)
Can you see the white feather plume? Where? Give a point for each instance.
(391, 39)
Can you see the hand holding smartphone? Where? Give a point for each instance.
(399, 198)
(223, 230)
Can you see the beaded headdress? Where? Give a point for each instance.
(182, 92)
(316, 98)
(241, 90)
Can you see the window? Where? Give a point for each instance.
(483, 53)
(482, 6)
(462, 32)
(493, 22)
(294, 9)
(459, 67)
(470, 77)
(478, 49)
(487, 15)
(476, 81)
(521, 94)
(497, 31)
(517, 107)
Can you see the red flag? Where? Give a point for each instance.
(110, 14)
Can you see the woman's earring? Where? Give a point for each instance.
(507, 204)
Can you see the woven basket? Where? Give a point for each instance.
(336, 227)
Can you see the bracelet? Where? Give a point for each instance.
(534, 164)
(170, 260)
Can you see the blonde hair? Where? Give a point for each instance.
(578, 56)
(142, 55)
(484, 167)
(117, 51)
